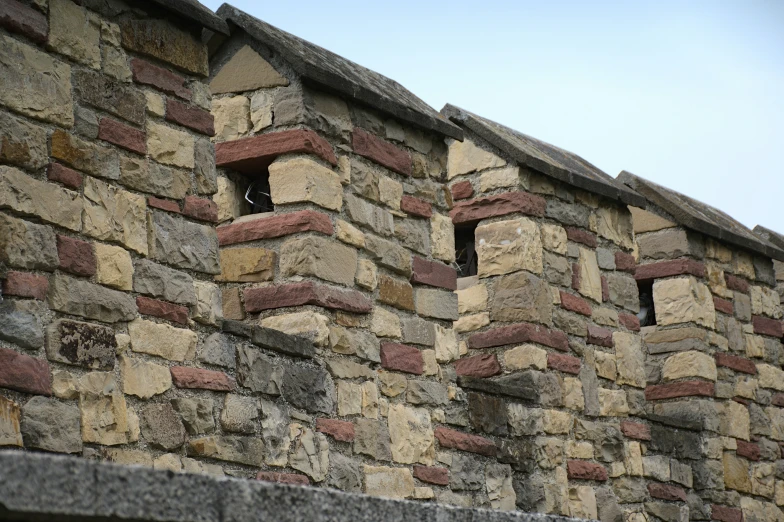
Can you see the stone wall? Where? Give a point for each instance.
(149, 317)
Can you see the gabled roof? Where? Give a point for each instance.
(548, 159)
(196, 12)
(700, 217)
(335, 73)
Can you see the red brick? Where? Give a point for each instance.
(519, 333)
(294, 479)
(68, 177)
(485, 365)
(471, 211)
(24, 373)
(563, 363)
(766, 326)
(298, 294)
(337, 429)
(575, 304)
(416, 207)
(749, 450)
(462, 190)
(432, 475)
(636, 430)
(122, 135)
(191, 117)
(464, 442)
(163, 204)
(162, 79)
(584, 470)
(76, 256)
(669, 268)
(625, 262)
(680, 389)
(380, 151)
(434, 273)
(738, 284)
(722, 305)
(275, 226)
(605, 290)
(631, 322)
(200, 208)
(666, 492)
(726, 514)
(196, 378)
(402, 358)
(18, 18)
(600, 336)
(579, 235)
(250, 155)
(575, 276)
(162, 309)
(739, 364)
(24, 284)
(778, 399)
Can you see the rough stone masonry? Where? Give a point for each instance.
(227, 251)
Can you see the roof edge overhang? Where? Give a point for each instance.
(195, 12)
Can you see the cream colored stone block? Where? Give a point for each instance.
(48, 201)
(411, 435)
(369, 400)
(106, 419)
(446, 344)
(554, 238)
(246, 71)
(645, 221)
(582, 502)
(384, 323)
(465, 157)
(367, 274)
(144, 379)
(114, 266)
(382, 481)
(305, 324)
(525, 357)
(442, 238)
(556, 422)
(260, 110)
(689, 364)
(469, 323)
(390, 192)
(632, 457)
(174, 344)
(770, 377)
(615, 224)
(612, 403)
(170, 146)
(508, 246)
(472, 299)
(349, 398)
(765, 301)
(232, 117)
(590, 276)
(301, 179)
(497, 179)
(349, 234)
(75, 32)
(113, 214)
(735, 421)
(155, 104)
(574, 399)
(683, 300)
(606, 366)
(629, 358)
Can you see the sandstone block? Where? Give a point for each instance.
(23, 284)
(18, 18)
(522, 297)
(689, 364)
(485, 365)
(508, 246)
(416, 206)
(302, 179)
(209, 303)
(524, 357)
(27, 245)
(170, 146)
(106, 418)
(144, 379)
(239, 414)
(433, 273)
(25, 145)
(371, 216)
(471, 443)
(10, 418)
(466, 157)
(246, 71)
(85, 155)
(630, 360)
(442, 238)
(472, 299)
(402, 358)
(682, 300)
(388, 482)
(51, 425)
(397, 293)
(196, 414)
(669, 244)
(161, 40)
(230, 448)
(81, 344)
(309, 452)
(79, 297)
(310, 325)
(435, 303)
(308, 292)
(160, 281)
(183, 244)
(162, 309)
(162, 427)
(337, 429)
(613, 403)
(114, 267)
(48, 201)
(411, 435)
(195, 378)
(114, 214)
(319, 257)
(384, 323)
(174, 344)
(114, 97)
(23, 373)
(381, 152)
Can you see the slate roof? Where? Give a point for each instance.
(335, 73)
(196, 12)
(702, 218)
(548, 159)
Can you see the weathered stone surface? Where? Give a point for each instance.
(25, 145)
(257, 299)
(239, 414)
(117, 98)
(106, 418)
(10, 418)
(372, 439)
(209, 304)
(48, 201)
(302, 179)
(310, 388)
(293, 479)
(388, 482)
(426, 392)
(114, 267)
(183, 244)
(613, 403)
(402, 358)
(689, 364)
(682, 300)
(81, 344)
(623, 291)
(669, 268)
(146, 73)
(766, 326)
(669, 244)
(345, 473)
(464, 442)
(519, 333)
(21, 323)
(246, 71)
(367, 274)
(439, 304)
(630, 360)
(487, 414)
(230, 448)
(196, 414)
(466, 157)
(442, 238)
(23, 373)
(161, 40)
(200, 208)
(434, 274)
(27, 245)
(485, 365)
(35, 84)
(161, 427)
(113, 214)
(79, 297)
(174, 344)
(466, 473)
(319, 257)
(74, 32)
(18, 18)
(583, 470)
(51, 425)
(170, 146)
(144, 379)
(522, 297)
(381, 152)
(160, 281)
(309, 325)
(680, 389)
(508, 246)
(122, 135)
(432, 475)
(411, 434)
(563, 363)
(337, 429)
(175, 313)
(525, 357)
(247, 154)
(195, 378)
(416, 206)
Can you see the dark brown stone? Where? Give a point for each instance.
(722, 305)
(487, 413)
(778, 400)
(631, 322)
(767, 326)
(432, 475)
(402, 358)
(749, 450)
(18, 18)
(485, 365)
(160, 39)
(275, 226)
(162, 79)
(394, 292)
(575, 304)
(191, 117)
(68, 177)
(600, 336)
(726, 514)
(122, 135)
(669, 268)
(163, 204)
(464, 442)
(232, 304)
(462, 190)
(162, 309)
(680, 389)
(564, 363)
(666, 492)
(416, 207)
(737, 284)
(337, 429)
(584, 470)
(636, 430)
(294, 479)
(76, 256)
(576, 276)
(466, 212)
(196, 378)
(739, 364)
(200, 208)
(24, 284)
(381, 152)
(625, 262)
(250, 155)
(24, 373)
(433, 273)
(298, 294)
(579, 235)
(519, 333)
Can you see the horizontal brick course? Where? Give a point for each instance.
(337, 429)
(564, 363)
(739, 364)
(24, 373)
(416, 207)
(472, 211)
(575, 304)
(200, 208)
(462, 190)
(122, 135)
(636, 430)
(680, 389)
(251, 154)
(736, 283)
(18, 18)
(433, 273)
(464, 442)
(579, 235)
(666, 492)
(402, 358)
(162, 79)
(631, 322)
(767, 326)
(600, 336)
(298, 294)
(163, 204)
(669, 268)
(485, 365)
(191, 117)
(432, 475)
(275, 226)
(76, 256)
(24, 284)
(197, 378)
(519, 333)
(62, 174)
(381, 152)
(722, 305)
(625, 262)
(162, 309)
(750, 450)
(584, 470)
(726, 514)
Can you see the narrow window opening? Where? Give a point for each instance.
(465, 252)
(647, 314)
(257, 195)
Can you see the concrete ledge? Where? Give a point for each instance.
(36, 486)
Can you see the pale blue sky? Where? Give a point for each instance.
(687, 94)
